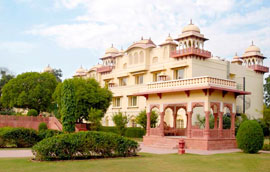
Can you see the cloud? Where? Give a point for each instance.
(121, 22)
(16, 47)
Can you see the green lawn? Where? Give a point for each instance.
(147, 162)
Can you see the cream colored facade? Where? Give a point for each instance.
(176, 63)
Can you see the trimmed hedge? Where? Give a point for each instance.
(250, 137)
(18, 137)
(84, 145)
(32, 112)
(136, 132)
(42, 126)
(44, 134)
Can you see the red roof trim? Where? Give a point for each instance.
(171, 90)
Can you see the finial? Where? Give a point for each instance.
(190, 21)
(149, 38)
(112, 45)
(252, 42)
(142, 38)
(235, 53)
(121, 47)
(169, 34)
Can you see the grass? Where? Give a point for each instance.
(235, 162)
(136, 139)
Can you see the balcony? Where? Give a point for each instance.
(204, 81)
(105, 69)
(259, 68)
(191, 51)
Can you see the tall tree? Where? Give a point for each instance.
(5, 77)
(88, 94)
(267, 91)
(29, 90)
(58, 74)
(68, 108)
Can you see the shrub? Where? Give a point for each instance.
(42, 126)
(120, 121)
(7, 112)
(142, 119)
(250, 136)
(136, 132)
(266, 147)
(32, 112)
(43, 134)
(84, 145)
(108, 129)
(18, 137)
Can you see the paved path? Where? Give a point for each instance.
(15, 153)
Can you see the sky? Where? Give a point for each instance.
(69, 33)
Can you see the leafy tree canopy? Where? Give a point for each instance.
(88, 94)
(142, 119)
(267, 91)
(58, 74)
(31, 90)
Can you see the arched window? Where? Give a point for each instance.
(136, 58)
(141, 57)
(155, 60)
(124, 66)
(130, 59)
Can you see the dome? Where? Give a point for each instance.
(48, 69)
(80, 70)
(253, 48)
(169, 38)
(236, 57)
(191, 27)
(111, 50)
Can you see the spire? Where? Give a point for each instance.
(190, 21)
(235, 53)
(169, 34)
(252, 42)
(112, 45)
(142, 38)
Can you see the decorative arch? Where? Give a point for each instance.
(228, 105)
(196, 104)
(155, 60)
(215, 106)
(130, 59)
(124, 65)
(136, 58)
(141, 57)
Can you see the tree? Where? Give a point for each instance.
(95, 116)
(5, 77)
(58, 74)
(29, 90)
(68, 108)
(88, 94)
(142, 119)
(267, 91)
(120, 121)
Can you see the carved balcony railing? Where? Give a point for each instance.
(193, 82)
(105, 69)
(259, 68)
(191, 51)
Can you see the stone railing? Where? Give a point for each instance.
(196, 82)
(197, 133)
(105, 69)
(226, 133)
(155, 131)
(191, 51)
(259, 68)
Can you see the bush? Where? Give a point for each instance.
(18, 137)
(135, 132)
(32, 112)
(43, 134)
(120, 121)
(266, 147)
(42, 126)
(108, 129)
(142, 119)
(84, 145)
(250, 136)
(7, 112)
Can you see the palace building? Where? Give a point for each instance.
(180, 80)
